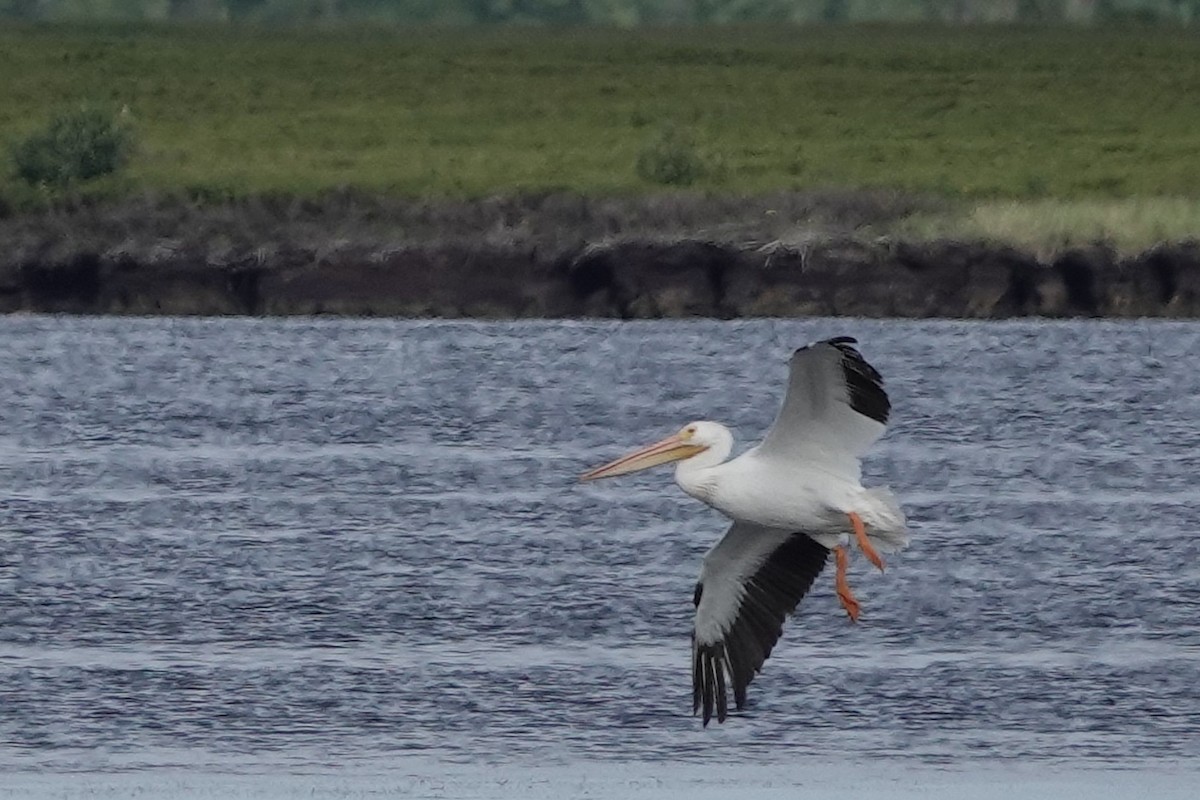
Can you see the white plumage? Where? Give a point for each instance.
(793, 498)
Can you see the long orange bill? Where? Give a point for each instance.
(673, 448)
(843, 586)
(864, 544)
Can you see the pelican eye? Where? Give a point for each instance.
(689, 432)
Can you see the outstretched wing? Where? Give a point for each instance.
(749, 583)
(835, 408)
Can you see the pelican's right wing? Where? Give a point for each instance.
(749, 584)
(835, 407)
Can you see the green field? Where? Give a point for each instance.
(989, 115)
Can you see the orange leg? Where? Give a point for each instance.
(864, 544)
(843, 586)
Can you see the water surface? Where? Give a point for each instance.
(288, 544)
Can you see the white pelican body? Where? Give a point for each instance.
(792, 499)
(777, 493)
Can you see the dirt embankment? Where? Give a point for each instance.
(559, 256)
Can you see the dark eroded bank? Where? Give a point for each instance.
(558, 256)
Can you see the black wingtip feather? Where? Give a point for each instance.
(710, 682)
(863, 382)
(722, 699)
(836, 341)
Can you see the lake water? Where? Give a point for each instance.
(322, 557)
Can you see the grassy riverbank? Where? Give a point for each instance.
(1036, 136)
(984, 112)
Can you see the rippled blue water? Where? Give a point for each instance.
(307, 541)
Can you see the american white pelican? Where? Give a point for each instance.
(792, 499)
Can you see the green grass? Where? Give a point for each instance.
(985, 114)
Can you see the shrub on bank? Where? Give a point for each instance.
(75, 147)
(671, 159)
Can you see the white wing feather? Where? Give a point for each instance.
(727, 567)
(834, 410)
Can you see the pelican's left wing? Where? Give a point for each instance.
(749, 583)
(835, 408)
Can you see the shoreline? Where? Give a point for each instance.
(880, 778)
(563, 256)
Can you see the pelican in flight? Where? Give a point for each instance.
(793, 498)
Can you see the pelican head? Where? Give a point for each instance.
(695, 438)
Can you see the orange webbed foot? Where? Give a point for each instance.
(864, 544)
(845, 595)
